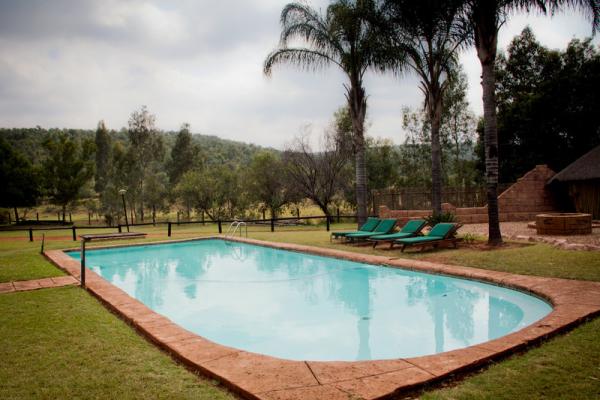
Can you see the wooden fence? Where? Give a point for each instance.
(412, 198)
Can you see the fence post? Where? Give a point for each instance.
(220, 227)
(338, 215)
(327, 219)
(119, 227)
(169, 232)
(30, 235)
(272, 225)
(37, 216)
(74, 234)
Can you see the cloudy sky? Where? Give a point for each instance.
(73, 63)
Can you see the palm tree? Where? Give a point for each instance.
(342, 37)
(485, 18)
(427, 34)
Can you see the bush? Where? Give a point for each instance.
(434, 219)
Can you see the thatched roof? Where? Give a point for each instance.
(584, 168)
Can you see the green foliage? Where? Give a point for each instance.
(20, 185)
(383, 162)
(548, 103)
(435, 219)
(103, 147)
(215, 191)
(457, 134)
(67, 169)
(266, 182)
(185, 155)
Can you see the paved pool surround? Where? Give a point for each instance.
(257, 376)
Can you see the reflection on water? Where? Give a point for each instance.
(299, 306)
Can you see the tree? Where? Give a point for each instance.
(318, 176)
(427, 34)
(547, 104)
(67, 168)
(382, 163)
(215, 191)
(458, 132)
(146, 152)
(185, 155)
(267, 182)
(20, 180)
(485, 18)
(342, 37)
(103, 147)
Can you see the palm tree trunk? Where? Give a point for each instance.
(436, 157)
(361, 184)
(358, 109)
(488, 83)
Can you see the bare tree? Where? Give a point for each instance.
(318, 176)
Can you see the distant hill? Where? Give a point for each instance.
(216, 150)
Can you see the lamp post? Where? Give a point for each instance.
(122, 193)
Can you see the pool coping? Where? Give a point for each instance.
(257, 376)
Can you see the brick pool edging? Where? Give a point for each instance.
(258, 376)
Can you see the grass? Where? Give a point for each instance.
(567, 367)
(60, 343)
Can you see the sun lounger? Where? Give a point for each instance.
(385, 226)
(410, 229)
(368, 226)
(442, 233)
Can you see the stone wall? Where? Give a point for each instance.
(520, 202)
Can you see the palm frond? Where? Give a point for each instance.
(306, 59)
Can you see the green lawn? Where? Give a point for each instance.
(61, 343)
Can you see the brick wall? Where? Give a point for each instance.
(520, 202)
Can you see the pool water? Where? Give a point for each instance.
(305, 307)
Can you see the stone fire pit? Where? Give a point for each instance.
(563, 224)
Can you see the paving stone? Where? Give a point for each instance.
(313, 392)
(26, 285)
(382, 385)
(257, 373)
(6, 287)
(331, 371)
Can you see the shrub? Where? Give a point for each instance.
(434, 219)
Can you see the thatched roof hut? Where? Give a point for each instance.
(582, 180)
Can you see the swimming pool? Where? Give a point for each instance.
(306, 307)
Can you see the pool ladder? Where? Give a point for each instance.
(236, 226)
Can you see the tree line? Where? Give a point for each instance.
(161, 170)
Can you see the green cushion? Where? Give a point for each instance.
(413, 226)
(419, 239)
(392, 236)
(442, 229)
(366, 227)
(370, 224)
(385, 226)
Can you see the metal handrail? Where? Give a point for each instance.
(234, 226)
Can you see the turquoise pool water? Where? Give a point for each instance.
(305, 307)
